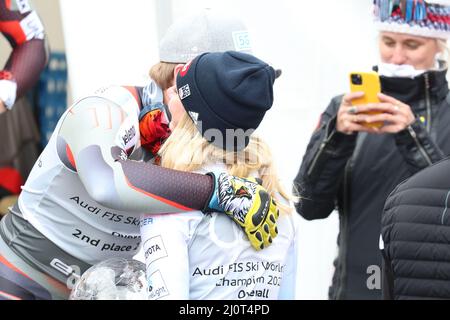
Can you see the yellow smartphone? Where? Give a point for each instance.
(369, 83)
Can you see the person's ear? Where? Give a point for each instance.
(443, 52)
(176, 70)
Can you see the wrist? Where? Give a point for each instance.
(213, 199)
(410, 133)
(338, 139)
(414, 125)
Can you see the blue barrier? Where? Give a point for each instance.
(52, 95)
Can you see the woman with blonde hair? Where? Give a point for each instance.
(359, 153)
(218, 102)
(82, 202)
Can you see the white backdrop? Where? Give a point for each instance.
(315, 43)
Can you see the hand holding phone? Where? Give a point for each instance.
(369, 83)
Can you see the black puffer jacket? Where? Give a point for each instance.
(355, 174)
(416, 233)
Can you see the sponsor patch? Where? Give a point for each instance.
(32, 26)
(23, 6)
(194, 116)
(154, 249)
(184, 92)
(127, 136)
(145, 221)
(156, 286)
(242, 41)
(61, 267)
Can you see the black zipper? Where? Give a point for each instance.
(419, 146)
(428, 127)
(428, 101)
(342, 260)
(319, 153)
(316, 158)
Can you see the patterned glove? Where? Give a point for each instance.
(248, 204)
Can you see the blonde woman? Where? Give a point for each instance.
(82, 203)
(219, 100)
(352, 167)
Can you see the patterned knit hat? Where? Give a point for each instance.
(425, 18)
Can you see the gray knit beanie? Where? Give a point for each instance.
(208, 31)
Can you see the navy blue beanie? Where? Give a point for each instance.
(226, 95)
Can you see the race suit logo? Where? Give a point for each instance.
(154, 249)
(23, 6)
(127, 136)
(184, 92)
(156, 286)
